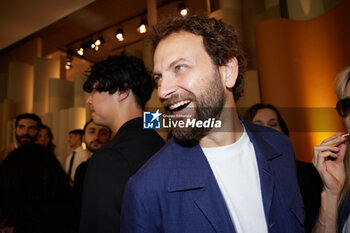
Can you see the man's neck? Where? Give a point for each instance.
(122, 119)
(76, 147)
(231, 130)
(16, 144)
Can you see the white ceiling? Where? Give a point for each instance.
(20, 18)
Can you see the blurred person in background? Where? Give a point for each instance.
(35, 193)
(26, 130)
(95, 136)
(78, 154)
(45, 138)
(309, 180)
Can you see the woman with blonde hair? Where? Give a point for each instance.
(332, 160)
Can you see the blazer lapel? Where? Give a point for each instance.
(193, 173)
(264, 153)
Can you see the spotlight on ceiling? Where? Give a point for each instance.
(81, 49)
(183, 9)
(119, 34)
(99, 41)
(142, 28)
(69, 59)
(90, 43)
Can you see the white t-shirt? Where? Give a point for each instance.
(236, 171)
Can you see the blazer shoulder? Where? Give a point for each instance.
(271, 136)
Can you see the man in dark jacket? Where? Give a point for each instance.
(119, 86)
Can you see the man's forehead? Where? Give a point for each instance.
(92, 125)
(27, 122)
(177, 46)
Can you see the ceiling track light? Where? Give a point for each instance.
(183, 10)
(81, 49)
(69, 59)
(142, 28)
(99, 40)
(119, 35)
(90, 44)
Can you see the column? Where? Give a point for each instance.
(20, 86)
(305, 9)
(61, 94)
(8, 112)
(230, 12)
(62, 148)
(251, 93)
(147, 48)
(79, 93)
(3, 86)
(43, 70)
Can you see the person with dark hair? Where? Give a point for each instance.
(267, 115)
(35, 191)
(218, 173)
(309, 180)
(45, 138)
(78, 154)
(26, 130)
(95, 136)
(120, 86)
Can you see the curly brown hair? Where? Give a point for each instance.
(220, 41)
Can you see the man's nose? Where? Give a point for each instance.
(167, 86)
(26, 130)
(88, 100)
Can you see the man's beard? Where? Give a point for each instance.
(25, 136)
(92, 148)
(209, 104)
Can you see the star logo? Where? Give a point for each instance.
(155, 115)
(151, 120)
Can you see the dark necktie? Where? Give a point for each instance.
(71, 164)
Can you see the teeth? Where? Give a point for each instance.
(179, 104)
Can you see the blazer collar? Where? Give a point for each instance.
(264, 153)
(192, 172)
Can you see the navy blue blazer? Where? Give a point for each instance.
(343, 212)
(176, 191)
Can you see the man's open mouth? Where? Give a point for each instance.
(179, 105)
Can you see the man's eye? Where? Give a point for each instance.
(179, 67)
(157, 78)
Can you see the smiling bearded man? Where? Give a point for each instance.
(212, 179)
(207, 105)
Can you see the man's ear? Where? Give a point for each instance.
(122, 95)
(229, 72)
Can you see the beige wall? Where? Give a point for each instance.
(298, 62)
(26, 53)
(44, 69)
(20, 86)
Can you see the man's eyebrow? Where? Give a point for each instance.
(156, 74)
(170, 66)
(175, 62)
